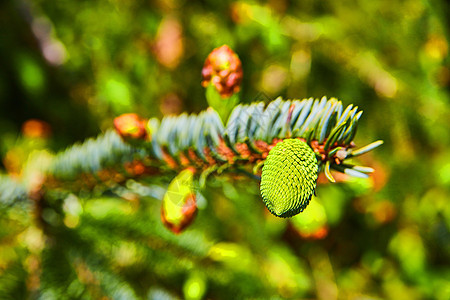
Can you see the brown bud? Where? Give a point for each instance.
(34, 128)
(130, 126)
(179, 204)
(223, 69)
(188, 211)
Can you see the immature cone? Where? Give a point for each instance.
(288, 178)
(130, 126)
(179, 205)
(223, 69)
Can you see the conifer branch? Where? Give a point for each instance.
(203, 142)
(11, 192)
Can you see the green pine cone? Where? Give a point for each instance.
(288, 178)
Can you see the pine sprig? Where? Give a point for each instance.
(204, 143)
(91, 157)
(11, 192)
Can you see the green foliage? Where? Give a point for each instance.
(223, 106)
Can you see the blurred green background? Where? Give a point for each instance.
(75, 65)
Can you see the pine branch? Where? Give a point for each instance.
(203, 143)
(11, 192)
(301, 138)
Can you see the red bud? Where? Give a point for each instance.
(223, 69)
(130, 126)
(188, 212)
